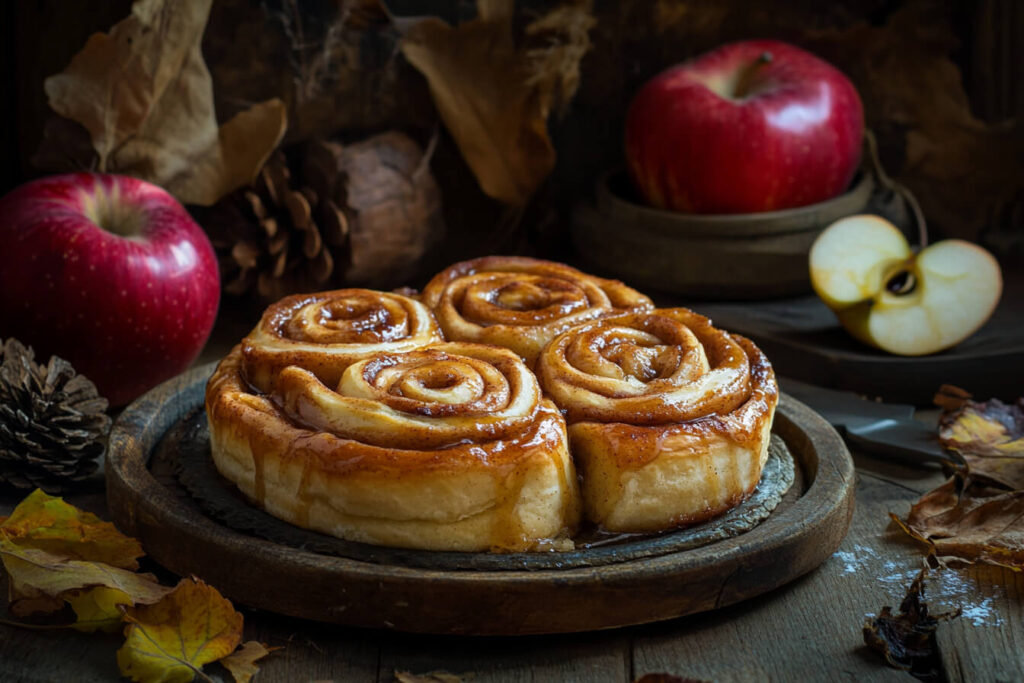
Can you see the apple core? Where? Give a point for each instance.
(111, 213)
(902, 282)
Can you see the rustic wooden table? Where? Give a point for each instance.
(807, 630)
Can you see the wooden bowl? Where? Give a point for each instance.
(724, 256)
(507, 597)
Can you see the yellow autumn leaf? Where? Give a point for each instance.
(47, 523)
(242, 662)
(171, 640)
(54, 575)
(98, 609)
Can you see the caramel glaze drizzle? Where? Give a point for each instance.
(522, 303)
(327, 331)
(618, 382)
(659, 349)
(274, 434)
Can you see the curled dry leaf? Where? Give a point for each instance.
(495, 97)
(55, 553)
(34, 572)
(968, 521)
(47, 523)
(171, 640)
(906, 639)
(242, 662)
(144, 94)
(978, 515)
(25, 601)
(990, 437)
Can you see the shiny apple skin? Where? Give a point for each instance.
(127, 312)
(794, 140)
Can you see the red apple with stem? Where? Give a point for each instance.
(109, 272)
(751, 126)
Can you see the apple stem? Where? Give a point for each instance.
(896, 187)
(745, 80)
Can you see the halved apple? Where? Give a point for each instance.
(903, 302)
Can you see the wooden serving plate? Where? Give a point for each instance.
(797, 536)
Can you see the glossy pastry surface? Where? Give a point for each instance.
(450, 447)
(522, 303)
(325, 332)
(669, 418)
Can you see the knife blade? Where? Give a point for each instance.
(882, 429)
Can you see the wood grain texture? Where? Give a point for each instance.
(807, 630)
(599, 658)
(793, 540)
(810, 630)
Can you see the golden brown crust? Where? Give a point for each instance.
(669, 418)
(325, 332)
(450, 447)
(522, 303)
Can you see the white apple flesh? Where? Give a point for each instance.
(901, 302)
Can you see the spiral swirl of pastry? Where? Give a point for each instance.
(662, 367)
(522, 303)
(432, 398)
(669, 418)
(447, 447)
(327, 331)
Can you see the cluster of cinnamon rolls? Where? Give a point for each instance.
(509, 401)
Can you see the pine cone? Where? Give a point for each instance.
(324, 214)
(277, 236)
(53, 424)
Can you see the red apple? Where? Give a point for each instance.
(109, 272)
(752, 126)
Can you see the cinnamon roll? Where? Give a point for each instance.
(522, 303)
(325, 332)
(669, 418)
(449, 447)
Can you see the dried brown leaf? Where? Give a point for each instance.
(557, 42)
(951, 398)
(906, 639)
(144, 94)
(35, 571)
(25, 601)
(242, 662)
(971, 522)
(243, 144)
(990, 437)
(495, 97)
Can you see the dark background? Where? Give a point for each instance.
(945, 72)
